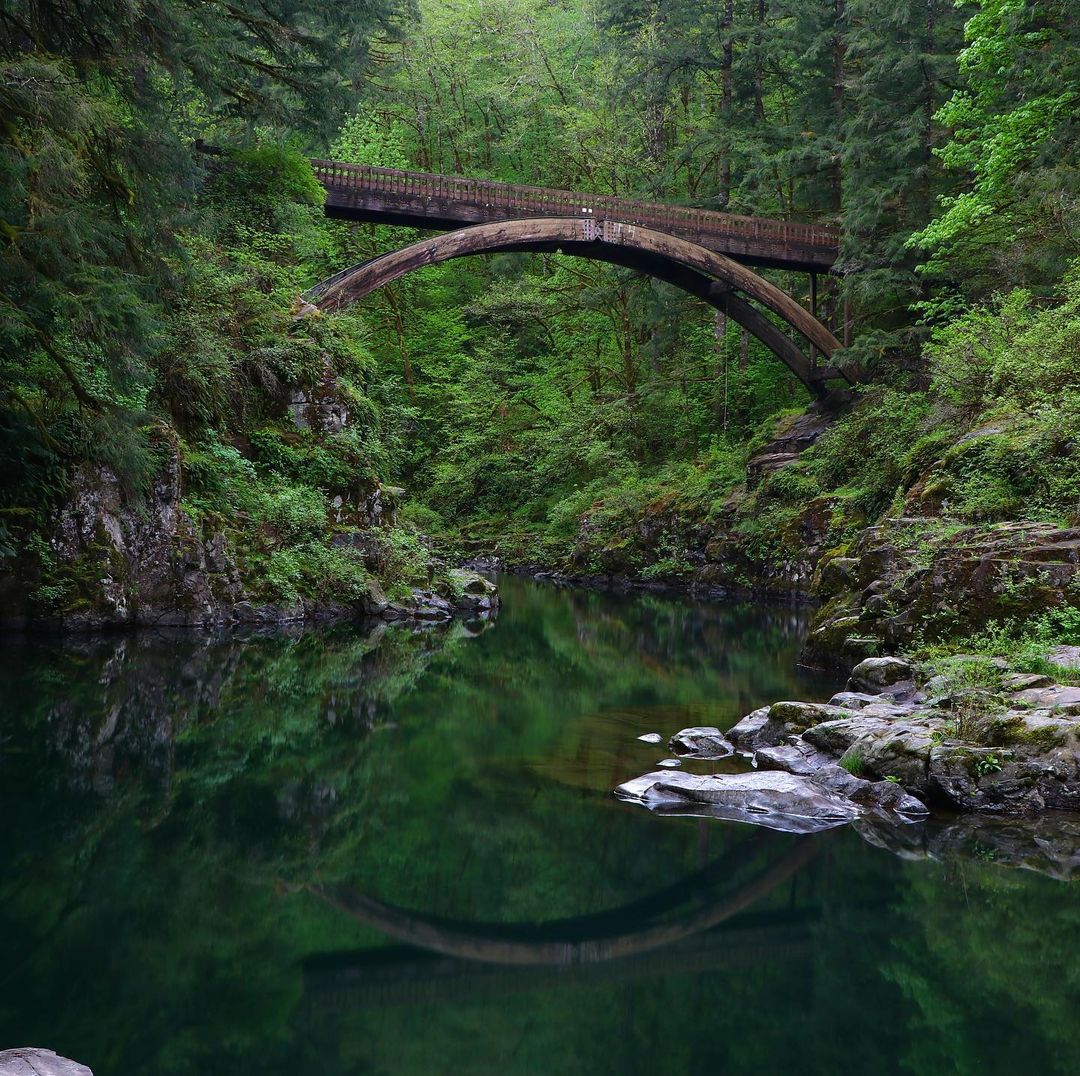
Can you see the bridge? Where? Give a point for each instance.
(710, 255)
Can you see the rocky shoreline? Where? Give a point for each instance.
(33, 1061)
(895, 743)
(137, 564)
(470, 596)
(621, 583)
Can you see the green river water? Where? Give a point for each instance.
(366, 850)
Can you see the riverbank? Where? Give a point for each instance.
(973, 735)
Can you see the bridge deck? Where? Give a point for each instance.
(425, 200)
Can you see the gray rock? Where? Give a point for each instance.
(375, 601)
(756, 730)
(1005, 780)
(771, 798)
(880, 795)
(835, 737)
(1025, 681)
(902, 751)
(1056, 697)
(772, 725)
(797, 757)
(651, 737)
(875, 675)
(1066, 656)
(670, 763)
(798, 716)
(854, 700)
(701, 742)
(470, 582)
(33, 1061)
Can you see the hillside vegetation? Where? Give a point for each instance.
(562, 411)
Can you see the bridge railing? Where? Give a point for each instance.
(547, 201)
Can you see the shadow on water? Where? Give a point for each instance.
(370, 850)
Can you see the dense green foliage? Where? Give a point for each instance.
(150, 290)
(548, 390)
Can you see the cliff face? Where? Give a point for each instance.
(922, 576)
(113, 560)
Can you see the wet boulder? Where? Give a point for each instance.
(33, 1061)
(703, 742)
(773, 799)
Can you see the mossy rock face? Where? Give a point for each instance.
(1011, 780)
(924, 575)
(799, 716)
(835, 574)
(903, 753)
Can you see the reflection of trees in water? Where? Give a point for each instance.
(165, 802)
(112, 706)
(987, 963)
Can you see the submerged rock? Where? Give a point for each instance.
(704, 742)
(651, 737)
(33, 1061)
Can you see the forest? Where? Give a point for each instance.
(391, 779)
(161, 224)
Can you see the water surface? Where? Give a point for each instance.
(363, 850)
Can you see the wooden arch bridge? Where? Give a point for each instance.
(708, 254)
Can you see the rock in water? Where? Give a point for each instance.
(30, 1061)
(651, 737)
(773, 799)
(669, 763)
(701, 742)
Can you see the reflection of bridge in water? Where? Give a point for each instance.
(649, 937)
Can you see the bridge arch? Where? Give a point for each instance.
(696, 269)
